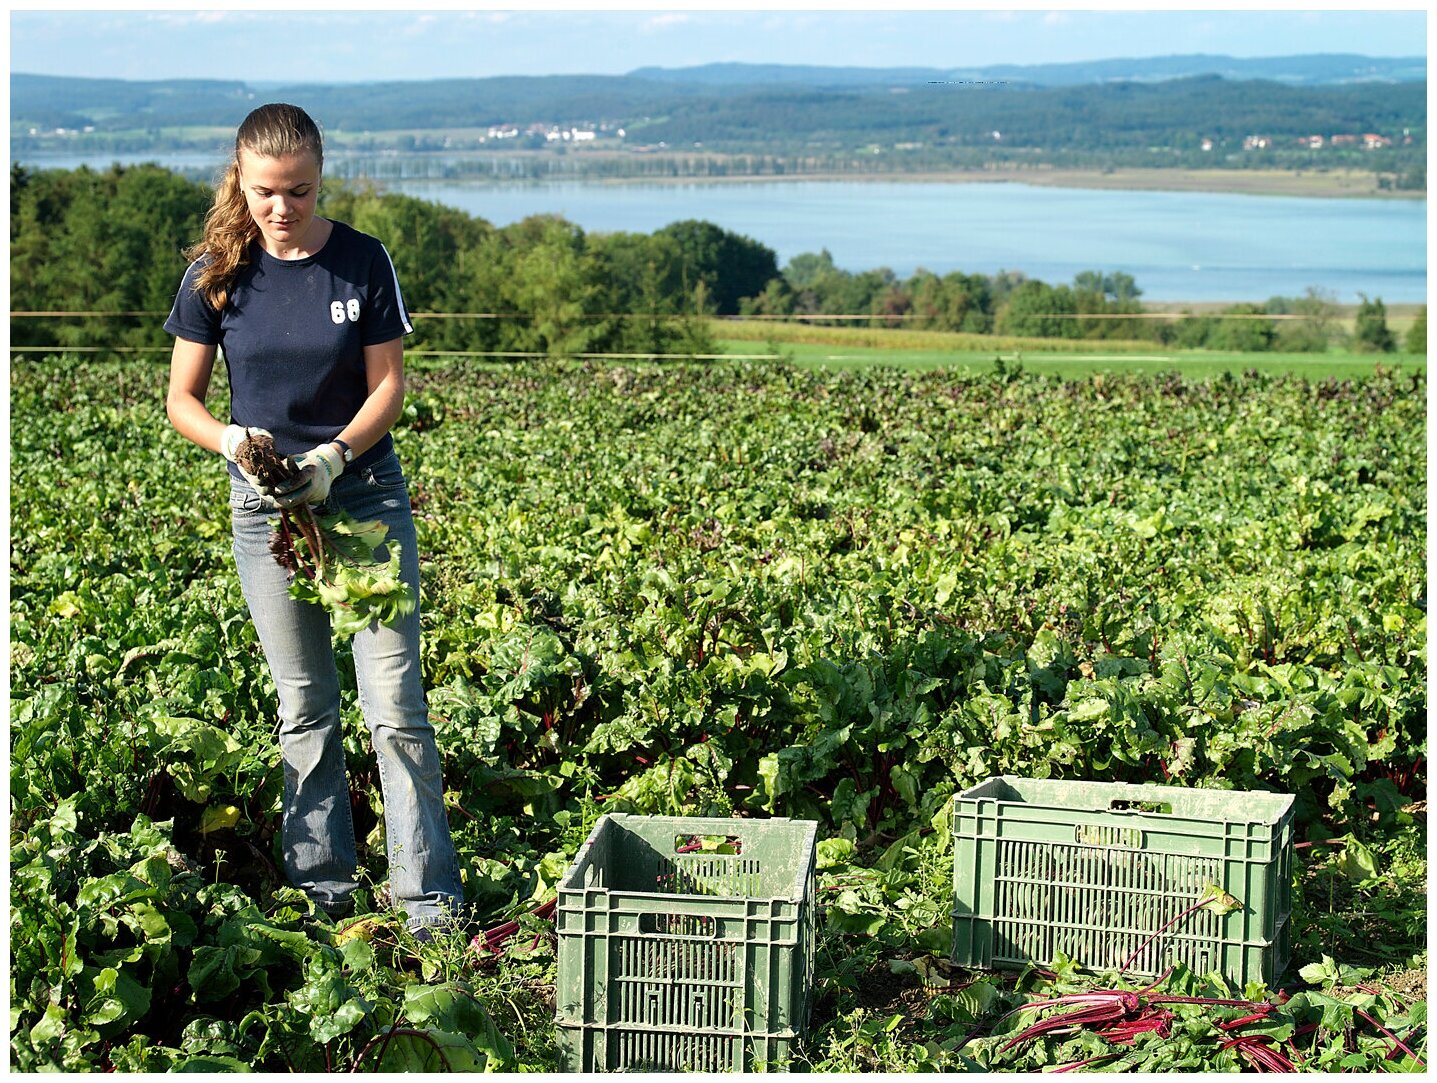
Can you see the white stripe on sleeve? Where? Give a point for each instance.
(398, 294)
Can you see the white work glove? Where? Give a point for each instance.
(230, 441)
(317, 470)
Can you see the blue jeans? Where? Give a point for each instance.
(318, 830)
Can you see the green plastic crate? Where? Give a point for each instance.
(676, 956)
(1092, 869)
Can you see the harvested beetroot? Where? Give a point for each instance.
(331, 556)
(256, 455)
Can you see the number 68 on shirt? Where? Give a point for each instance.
(339, 310)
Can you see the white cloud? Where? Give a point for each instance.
(420, 25)
(663, 22)
(185, 18)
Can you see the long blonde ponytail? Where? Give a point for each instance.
(271, 131)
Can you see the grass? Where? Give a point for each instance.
(859, 334)
(920, 349)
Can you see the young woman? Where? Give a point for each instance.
(309, 315)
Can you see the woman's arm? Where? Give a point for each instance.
(190, 366)
(384, 376)
(384, 373)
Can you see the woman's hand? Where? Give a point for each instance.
(317, 470)
(230, 441)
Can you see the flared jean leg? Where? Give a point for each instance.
(423, 868)
(317, 832)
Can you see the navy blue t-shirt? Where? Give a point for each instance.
(293, 334)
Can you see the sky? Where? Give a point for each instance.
(336, 45)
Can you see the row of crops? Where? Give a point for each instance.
(730, 589)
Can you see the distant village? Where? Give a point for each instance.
(1367, 141)
(553, 133)
(556, 134)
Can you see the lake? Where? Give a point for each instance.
(1179, 246)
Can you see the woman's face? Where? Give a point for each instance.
(281, 194)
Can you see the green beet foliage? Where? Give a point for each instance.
(714, 589)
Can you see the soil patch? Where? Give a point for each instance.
(1410, 985)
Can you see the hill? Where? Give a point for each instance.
(1173, 111)
(1309, 70)
(747, 113)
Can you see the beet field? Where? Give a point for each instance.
(733, 590)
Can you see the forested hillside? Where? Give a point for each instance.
(1312, 69)
(1177, 114)
(1204, 120)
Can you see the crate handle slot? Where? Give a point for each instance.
(1120, 804)
(694, 926)
(1128, 838)
(711, 844)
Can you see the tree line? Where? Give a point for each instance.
(111, 242)
(1096, 305)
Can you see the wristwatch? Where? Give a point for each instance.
(345, 451)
